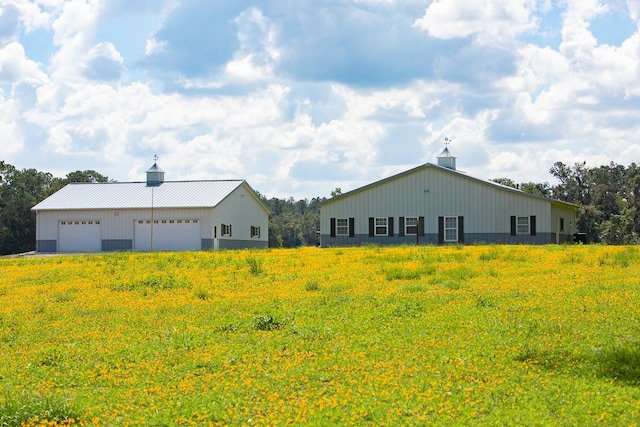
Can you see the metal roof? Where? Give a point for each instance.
(445, 153)
(138, 195)
(155, 168)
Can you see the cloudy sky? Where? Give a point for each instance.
(299, 97)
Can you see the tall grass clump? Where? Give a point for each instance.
(312, 285)
(400, 273)
(256, 265)
(622, 362)
(37, 410)
(267, 322)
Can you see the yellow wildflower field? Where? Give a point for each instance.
(499, 335)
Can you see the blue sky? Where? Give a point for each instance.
(299, 97)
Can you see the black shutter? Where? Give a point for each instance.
(460, 229)
(352, 227)
(401, 226)
(371, 226)
(532, 225)
(513, 225)
(390, 229)
(421, 226)
(440, 229)
(332, 233)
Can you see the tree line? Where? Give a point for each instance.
(293, 223)
(608, 200)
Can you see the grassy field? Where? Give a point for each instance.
(496, 335)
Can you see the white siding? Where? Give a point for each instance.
(242, 210)
(431, 193)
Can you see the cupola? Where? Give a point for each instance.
(155, 175)
(445, 159)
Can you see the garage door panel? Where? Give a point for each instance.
(168, 235)
(79, 236)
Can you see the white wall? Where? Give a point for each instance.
(432, 192)
(242, 210)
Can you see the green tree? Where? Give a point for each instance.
(608, 197)
(575, 184)
(539, 189)
(507, 182)
(20, 190)
(89, 175)
(293, 222)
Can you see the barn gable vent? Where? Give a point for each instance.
(155, 176)
(445, 159)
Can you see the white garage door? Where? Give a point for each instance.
(79, 236)
(168, 235)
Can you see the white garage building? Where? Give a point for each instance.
(155, 215)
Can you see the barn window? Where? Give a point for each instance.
(381, 226)
(561, 225)
(450, 228)
(226, 229)
(411, 225)
(195, 221)
(164, 221)
(342, 226)
(522, 225)
(98, 222)
(255, 231)
(171, 221)
(179, 221)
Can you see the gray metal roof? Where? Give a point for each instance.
(445, 153)
(137, 195)
(155, 168)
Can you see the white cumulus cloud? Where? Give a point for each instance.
(449, 19)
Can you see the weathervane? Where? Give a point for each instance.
(155, 158)
(447, 141)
